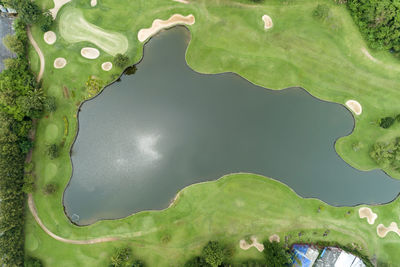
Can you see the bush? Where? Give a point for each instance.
(50, 104)
(53, 151)
(386, 122)
(196, 262)
(13, 44)
(32, 262)
(121, 60)
(213, 253)
(46, 21)
(50, 189)
(29, 183)
(321, 12)
(130, 70)
(123, 257)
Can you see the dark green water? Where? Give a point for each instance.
(166, 127)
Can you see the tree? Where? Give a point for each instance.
(386, 122)
(121, 60)
(196, 262)
(13, 44)
(276, 255)
(46, 21)
(213, 253)
(321, 12)
(121, 257)
(29, 183)
(53, 151)
(25, 145)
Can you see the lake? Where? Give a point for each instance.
(165, 127)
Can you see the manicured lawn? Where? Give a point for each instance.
(323, 57)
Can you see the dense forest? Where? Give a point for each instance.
(379, 22)
(21, 101)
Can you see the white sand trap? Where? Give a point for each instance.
(159, 24)
(106, 66)
(90, 52)
(60, 63)
(267, 22)
(182, 1)
(274, 238)
(245, 246)
(50, 37)
(57, 5)
(354, 106)
(367, 213)
(93, 3)
(74, 29)
(368, 55)
(382, 231)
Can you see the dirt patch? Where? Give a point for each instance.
(267, 22)
(93, 3)
(65, 92)
(274, 238)
(367, 213)
(382, 231)
(60, 63)
(368, 55)
(159, 24)
(354, 106)
(90, 52)
(50, 37)
(245, 246)
(106, 66)
(57, 5)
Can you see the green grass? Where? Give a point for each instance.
(323, 57)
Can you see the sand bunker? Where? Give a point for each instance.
(368, 55)
(245, 246)
(50, 37)
(60, 63)
(382, 231)
(274, 238)
(267, 22)
(354, 106)
(159, 24)
(93, 3)
(367, 213)
(90, 52)
(106, 66)
(182, 1)
(57, 5)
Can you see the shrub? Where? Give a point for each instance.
(121, 60)
(93, 86)
(53, 151)
(386, 122)
(46, 21)
(213, 253)
(13, 44)
(50, 104)
(32, 262)
(131, 70)
(321, 12)
(121, 257)
(29, 183)
(276, 255)
(50, 189)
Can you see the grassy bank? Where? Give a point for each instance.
(324, 57)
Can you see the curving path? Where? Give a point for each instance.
(33, 210)
(41, 57)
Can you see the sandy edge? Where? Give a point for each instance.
(368, 55)
(50, 37)
(106, 66)
(382, 231)
(354, 106)
(93, 3)
(182, 1)
(365, 212)
(90, 52)
(57, 5)
(267, 22)
(60, 63)
(274, 238)
(159, 24)
(245, 246)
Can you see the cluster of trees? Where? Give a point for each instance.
(123, 258)
(215, 254)
(121, 60)
(378, 21)
(21, 101)
(30, 13)
(387, 154)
